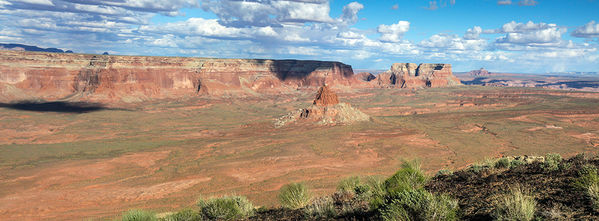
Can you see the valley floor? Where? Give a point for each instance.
(164, 155)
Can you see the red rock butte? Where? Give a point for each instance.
(325, 97)
(112, 78)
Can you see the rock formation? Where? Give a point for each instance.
(325, 110)
(480, 72)
(108, 78)
(325, 97)
(410, 75)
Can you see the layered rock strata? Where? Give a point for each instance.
(410, 75)
(109, 78)
(106, 78)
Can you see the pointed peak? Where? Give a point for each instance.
(325, 97)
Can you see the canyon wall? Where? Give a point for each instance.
(109, 78)
(410, 75)
(52, 76)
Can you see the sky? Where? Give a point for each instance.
(523, 36)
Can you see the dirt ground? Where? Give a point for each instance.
(164, 155)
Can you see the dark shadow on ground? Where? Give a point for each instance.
(55, 106)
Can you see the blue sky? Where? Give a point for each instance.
(526, 36)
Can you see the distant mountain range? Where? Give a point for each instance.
(22, 47)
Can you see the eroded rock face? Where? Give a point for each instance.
(109, 78)
(104, 78)
(410, 75)
(325, 97)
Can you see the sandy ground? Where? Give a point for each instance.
(195, 149)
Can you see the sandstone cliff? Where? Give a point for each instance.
(109, 78)
(410, 75)
(51, 76)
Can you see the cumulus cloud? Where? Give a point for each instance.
(268, 12)
(393, 32)
(504, 2)
(453, 43)
(589, 30)
(350, 12)
(473, 33)
(530, 34)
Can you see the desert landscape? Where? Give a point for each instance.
(287, 110)
(91, 136)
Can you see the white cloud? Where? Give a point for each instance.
(452, 43)
(37, 2)
(394, 32)
(473, 33)
(268, 12)
(589, 30)
(350, 12)
(504, 2)
(525, 36)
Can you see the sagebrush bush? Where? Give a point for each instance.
(552, 162)
(515, 206)
(516, 163)
(408, 177)
(354, 185)
(321, 208)
(502, 163)
(184, 215)
(475, 168)
(587, 176)
(294, 195)
(377, 191)
(139, 215)
(419, 204)
(593, 191)
(226, 208)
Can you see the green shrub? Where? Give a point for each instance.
(377, 191)
(418, 204)
(227, 207)
(184, 215)
(515, 206)
(516, 163)
(502, 163)
(409, 176)
(320, 208)
(354, 185)
(348, 184)
(593, 191)
(552, 162)
(587, 176)
(294, 195)
(476, 168)
(139, 215)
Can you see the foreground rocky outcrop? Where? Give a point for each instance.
(325, 110)
(107, 78)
